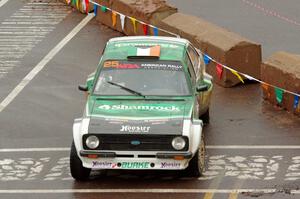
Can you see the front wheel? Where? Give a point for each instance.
(78, 172)
(197, 163)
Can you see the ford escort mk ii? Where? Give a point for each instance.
(146, 105)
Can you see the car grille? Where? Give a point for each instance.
(135, 142)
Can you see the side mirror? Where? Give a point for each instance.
(201, 88)
(83, 88)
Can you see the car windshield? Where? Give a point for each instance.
(154, 77)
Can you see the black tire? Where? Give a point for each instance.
(78, 172)
(205, 117)
(197, 163)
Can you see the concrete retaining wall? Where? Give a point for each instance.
(226, 47)
(282, 69)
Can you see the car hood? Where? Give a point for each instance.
(140, 109)
(138, 116)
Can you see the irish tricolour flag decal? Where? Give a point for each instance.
(145, 51)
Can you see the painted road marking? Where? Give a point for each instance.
(43, 63)
(219, 167)
(2, 2)
(36, 149)
(23, 31)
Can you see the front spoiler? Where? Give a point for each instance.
(158, 161)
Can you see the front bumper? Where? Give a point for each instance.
(138, 161)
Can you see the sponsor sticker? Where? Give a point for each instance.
(103, 165)
(135, 129)
(141, 107)
(134, 165)
(169, 165)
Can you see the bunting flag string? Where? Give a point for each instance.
(104, 9)
(207, 59)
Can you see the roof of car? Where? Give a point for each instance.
(149, 38)
(171, 48)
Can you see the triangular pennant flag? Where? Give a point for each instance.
(73, 2)
(237, 74)
(206, 59)
(279, 94)
(145, 29)
(265, 88)
(155, 31)
(249, 77)
(83, 6)
(296, 101)
(103, 8)
(95, 9)
(68, 1)
(122, 19)
(133, 20)
(114, 18)
(87, 4)
(77, 4)
(219, 70)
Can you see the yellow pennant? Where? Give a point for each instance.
(114, 18)
(133, 20)
(237, 74)
(77, 4)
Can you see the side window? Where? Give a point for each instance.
(191, 69)
(194, 58)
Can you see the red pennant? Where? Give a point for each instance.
(87, 6)
(219, 69)
(145, 28)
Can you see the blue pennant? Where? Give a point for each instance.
(206, 59)
(95, 9)
(155, 31)
(296, 101)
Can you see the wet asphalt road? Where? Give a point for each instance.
(41, 116)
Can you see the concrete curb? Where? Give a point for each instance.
(282, 69)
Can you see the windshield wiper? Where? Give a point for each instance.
(126, 89)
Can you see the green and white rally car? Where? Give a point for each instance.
(146, 105)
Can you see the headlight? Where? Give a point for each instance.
(178, 143)
(92, 142)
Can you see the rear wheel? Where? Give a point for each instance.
(205, 117)
(78, 172)
(197, 163)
